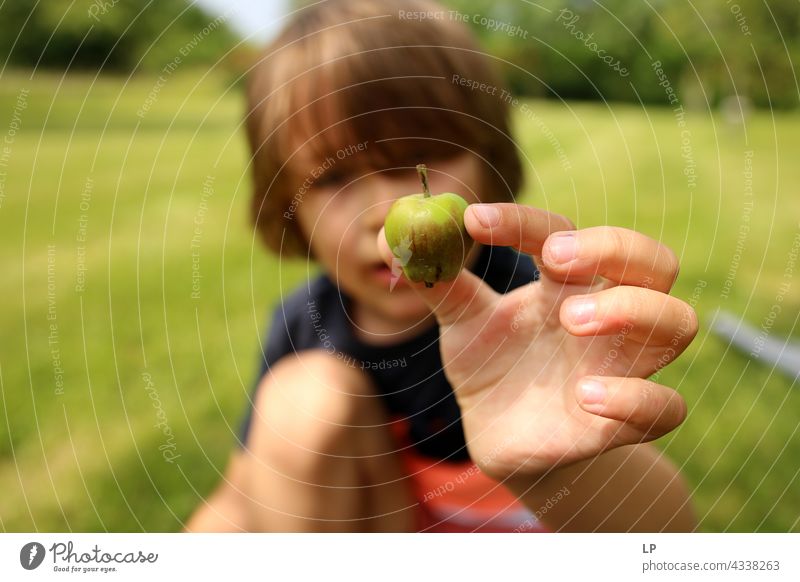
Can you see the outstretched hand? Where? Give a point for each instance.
(555, 371)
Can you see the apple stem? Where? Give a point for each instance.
(422, 170)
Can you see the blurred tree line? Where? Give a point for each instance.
(708, 49)
(573, 49)
(112, 35)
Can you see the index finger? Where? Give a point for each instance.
(514, 225)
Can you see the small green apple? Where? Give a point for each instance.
(426, 233)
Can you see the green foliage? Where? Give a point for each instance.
(112, 35)
(709, 49)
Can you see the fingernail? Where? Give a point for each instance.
(562, 248)
(486, 214)
(593, 392)
(581, 311)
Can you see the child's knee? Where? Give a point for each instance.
(309, 407)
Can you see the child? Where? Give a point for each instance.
(491, 403)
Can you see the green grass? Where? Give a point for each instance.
(89, 459)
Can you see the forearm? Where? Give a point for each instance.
(631, 488)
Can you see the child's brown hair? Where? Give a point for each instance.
(349, 72)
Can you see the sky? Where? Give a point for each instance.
(257, 20)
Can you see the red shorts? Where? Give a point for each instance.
(454, 496)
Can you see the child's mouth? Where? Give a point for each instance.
(384, 276)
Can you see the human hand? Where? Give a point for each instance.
(555, 372)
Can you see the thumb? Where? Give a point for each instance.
(451, 301)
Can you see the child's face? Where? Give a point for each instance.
(342, 215)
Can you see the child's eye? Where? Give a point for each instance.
(330, 179)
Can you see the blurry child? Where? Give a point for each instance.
(503, 401)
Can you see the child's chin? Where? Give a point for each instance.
(404, 304)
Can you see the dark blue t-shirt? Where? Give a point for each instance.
(409, 376)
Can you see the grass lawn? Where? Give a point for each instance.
(135, 294)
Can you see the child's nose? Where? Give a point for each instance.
(382, 193)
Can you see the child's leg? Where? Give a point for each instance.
(225, 510)
(320, 456)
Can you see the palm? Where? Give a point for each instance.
(514, 368)
(517, 361)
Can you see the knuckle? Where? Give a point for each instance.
(522, 218)
(523, 213)
(515, 311)
(661, 406)
(629, 303)
(671, 264)
(526, 232)
(617, 242)
(681, 409)
(647, 402)
(694, 321)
